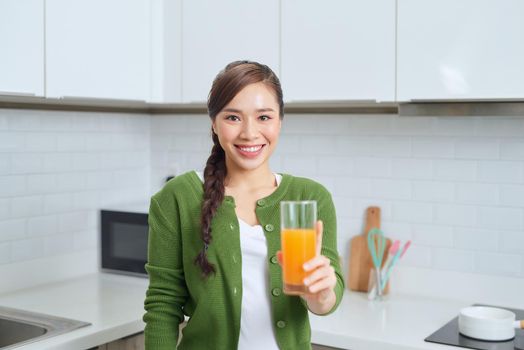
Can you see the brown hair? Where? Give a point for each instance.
(227, 84)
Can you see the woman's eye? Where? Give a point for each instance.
(232, 117)
(264, 117)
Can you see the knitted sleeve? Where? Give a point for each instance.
(326, 213)
(167, 291)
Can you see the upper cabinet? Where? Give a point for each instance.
(166, 57)
(468, 49)
(338, 50)
(214, 33)
(98, 49)
(22, 45)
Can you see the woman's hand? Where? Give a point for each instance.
(320, 296)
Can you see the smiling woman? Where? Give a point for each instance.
(214, 240)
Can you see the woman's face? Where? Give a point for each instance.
(248, 127)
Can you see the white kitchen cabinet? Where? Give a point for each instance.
(468, 49)
(338, 50)
(166, 57)
(22, 46)
(98, 49)
(215, 33)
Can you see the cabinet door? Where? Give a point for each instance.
(22, 45)
(98, 48)
(217, 32)
(166, 58)
(338, 50)
(466, 49)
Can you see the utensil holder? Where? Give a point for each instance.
(374, 280)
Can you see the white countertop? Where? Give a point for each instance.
(399, 322)
(114, 306)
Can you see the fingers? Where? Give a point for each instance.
(320, 231)
(322, 278)
(324, 284)
(316, 262)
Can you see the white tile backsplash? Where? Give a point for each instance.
(454, 185)
(512, 149)
(413, 212)
(452, 259)
(498, 264)
(501, 172)
(57, 169)
(512, 195)
(433, 191)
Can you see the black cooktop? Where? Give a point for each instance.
(449, 335)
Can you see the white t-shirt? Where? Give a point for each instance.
(256, 326)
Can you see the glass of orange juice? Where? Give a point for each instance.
(298, 235)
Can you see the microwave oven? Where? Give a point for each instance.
(123, 239)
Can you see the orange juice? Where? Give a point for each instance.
(298, 246)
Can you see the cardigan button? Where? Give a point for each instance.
(261, 202)
(269, 228)
(281, 324)
(276, 292)
(274, 259)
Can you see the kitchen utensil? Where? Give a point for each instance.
(391, 252)
(488, 323)
(376, 246)
(360, 262)
(386, 273)
(449, 334)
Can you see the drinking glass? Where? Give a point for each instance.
(298, 237)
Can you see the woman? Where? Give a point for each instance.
(214, 238)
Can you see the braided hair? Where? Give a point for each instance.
(227, 84)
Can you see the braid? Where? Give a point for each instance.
(214, 175)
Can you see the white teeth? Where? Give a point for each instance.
(250, 149)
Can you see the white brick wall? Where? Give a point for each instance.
(453, 185)
(57, 169)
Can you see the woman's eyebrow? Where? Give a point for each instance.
(234, 110)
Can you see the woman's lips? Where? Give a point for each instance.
(250, 151)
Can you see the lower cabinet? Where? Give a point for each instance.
(133, 342)
(136, 342)
(323, 347)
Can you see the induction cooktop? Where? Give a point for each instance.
(449, 335)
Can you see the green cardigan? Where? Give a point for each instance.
(176, 287)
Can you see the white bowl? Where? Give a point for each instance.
(487, 323)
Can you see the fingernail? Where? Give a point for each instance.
(306, 266)
(306, 281)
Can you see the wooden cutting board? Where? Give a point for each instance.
(360, 262)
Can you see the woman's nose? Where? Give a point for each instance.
(249, 129)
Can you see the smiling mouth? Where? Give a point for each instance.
(249, 149)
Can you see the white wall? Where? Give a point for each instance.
(57, 169)
(454, 186)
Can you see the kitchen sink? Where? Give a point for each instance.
(19, 327)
